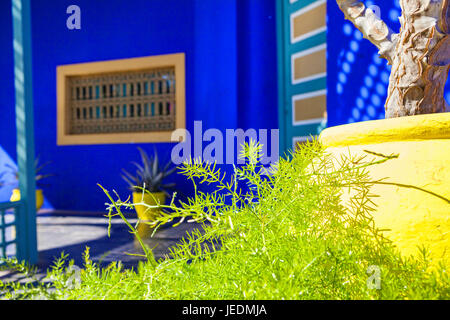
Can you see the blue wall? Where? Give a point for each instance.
(257, 90)
(218, 61)
(357, 78)
(7, 118)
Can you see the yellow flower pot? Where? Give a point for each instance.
(145, 213)
(39, 197)
(415, 218)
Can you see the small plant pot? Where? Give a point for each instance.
(146, 214)
(39, 197)
(414, 218)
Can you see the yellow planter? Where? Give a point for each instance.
(39, 197)
(415, 218)
(145, 213)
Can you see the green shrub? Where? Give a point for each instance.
(285, 236)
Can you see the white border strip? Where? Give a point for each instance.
(302, 54)
(300, 12)
(302, 97)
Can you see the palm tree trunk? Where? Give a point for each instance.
(419, 54)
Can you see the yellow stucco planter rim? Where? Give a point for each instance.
(420, 127)
(409, 216)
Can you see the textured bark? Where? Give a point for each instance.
(419, 54)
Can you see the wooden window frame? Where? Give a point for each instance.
(176, 60)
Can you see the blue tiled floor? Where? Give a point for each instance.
(71, 234)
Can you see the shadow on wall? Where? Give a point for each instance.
(8, 180)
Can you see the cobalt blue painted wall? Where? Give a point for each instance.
(207, 31)
(110, 30)
(257, 89)
(357, 78)
(7, 118)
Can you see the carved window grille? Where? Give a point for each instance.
(131, 100)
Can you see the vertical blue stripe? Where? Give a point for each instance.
(26, 219)
(286, 89)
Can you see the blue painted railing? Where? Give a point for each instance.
(8, 211)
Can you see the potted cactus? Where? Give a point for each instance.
(417, 126)
(148, 185)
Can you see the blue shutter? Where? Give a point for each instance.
(301, 32)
